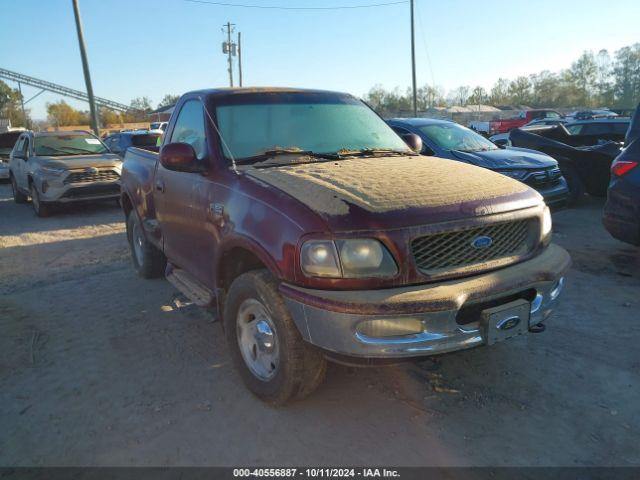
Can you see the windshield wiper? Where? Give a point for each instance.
(362, 152)
(266, 158)
(82, 150)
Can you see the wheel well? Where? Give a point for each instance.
(234, 263)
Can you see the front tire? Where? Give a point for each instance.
(41, 208)
(148, 261)
(275, 363)
(18, 196)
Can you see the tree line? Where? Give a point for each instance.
(593, 80)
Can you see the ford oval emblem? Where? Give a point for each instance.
(508, 323)
(482, 241)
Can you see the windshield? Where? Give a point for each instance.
(451, 136)
(327, 127)
(69, 144)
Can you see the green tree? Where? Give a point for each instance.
(626, 72)
(584, 76)
(62, 114)
(10, 106)
(168, 100)
(520, 91)
(500, 92)
(545, 89)
(478, 96)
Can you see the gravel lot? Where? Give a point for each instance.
(100, 367)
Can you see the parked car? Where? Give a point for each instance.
(524, 117)
(591, 114)
(119, 143)
(62, 167)
(622, 210)
(158, 127)
(584, 166)
(445, 139)
(7, 141)
(316, 233)
(592, 132)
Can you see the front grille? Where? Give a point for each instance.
(87, 176)
(451, 251)
(93, 191)
(544, 177)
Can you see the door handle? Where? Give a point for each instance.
(160, 186)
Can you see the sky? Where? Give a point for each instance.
(154, 47)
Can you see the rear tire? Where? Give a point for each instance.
(255, 310)
(18, 196)
(148, 261)
(41, 208)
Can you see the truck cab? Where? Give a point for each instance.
(315, 233)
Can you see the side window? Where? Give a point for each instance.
(552, 115)
(19, 146)
(575, 129)
(189, 128)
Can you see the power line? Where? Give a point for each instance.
(277, 7)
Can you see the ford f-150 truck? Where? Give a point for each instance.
(312, 229)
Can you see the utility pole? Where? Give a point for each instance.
(239, 60)
(229, 48)
(85, 67)
(24, 113)
(413, 64)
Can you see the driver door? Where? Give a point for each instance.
(180, 197)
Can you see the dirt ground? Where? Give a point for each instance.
(100, 367)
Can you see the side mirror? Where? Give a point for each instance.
(413, 141)
(179, 157)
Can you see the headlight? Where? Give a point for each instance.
(320, 259)
(517, 174)
(50, 171)
(353, 258)
(546, 223)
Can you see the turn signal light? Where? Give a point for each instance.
(620, 168)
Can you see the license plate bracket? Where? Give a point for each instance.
(506, 321)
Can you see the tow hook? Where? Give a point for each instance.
(539, 328)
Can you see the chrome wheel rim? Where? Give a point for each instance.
(137, 239)
(257, 339)
(34, 198)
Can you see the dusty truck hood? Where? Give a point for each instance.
(392, 192)
(79, 161)
(510, 157)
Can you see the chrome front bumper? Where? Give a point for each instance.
(336, 320)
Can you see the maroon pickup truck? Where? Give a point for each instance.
(316, 233)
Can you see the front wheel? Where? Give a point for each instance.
(275, 363)
(41, 208)
(148, 261)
